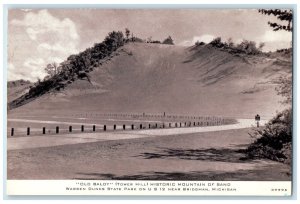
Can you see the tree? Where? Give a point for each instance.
(285, 83)
(282, 15)
(274, 141)
(248, 47)
(114, 40)
(52, 69)
(127, 33)
(168, 41)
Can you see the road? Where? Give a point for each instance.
(67, 139)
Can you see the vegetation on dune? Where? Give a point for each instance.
(76, 66)
(245, 47)
(168, 41)
(52, 69)
(199, 43)
(274, 141)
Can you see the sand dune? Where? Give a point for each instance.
(163, 78)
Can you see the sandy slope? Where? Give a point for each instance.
(164, 78)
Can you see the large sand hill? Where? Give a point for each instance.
(155, 78)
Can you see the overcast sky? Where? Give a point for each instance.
(38, 37)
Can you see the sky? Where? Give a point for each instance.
(37, 37)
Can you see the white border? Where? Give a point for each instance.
(139, 2)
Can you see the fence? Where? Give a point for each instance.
(199, 121)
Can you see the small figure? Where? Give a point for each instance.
(257, 119)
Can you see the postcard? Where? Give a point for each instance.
(149, 101)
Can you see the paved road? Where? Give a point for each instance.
(65, 139)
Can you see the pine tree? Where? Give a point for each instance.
(283, 15)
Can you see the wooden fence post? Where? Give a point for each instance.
(28, 130)
(12, 132)
(44, 130)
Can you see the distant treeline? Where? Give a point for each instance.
(17, 83)
(167, 41)
(246, 46)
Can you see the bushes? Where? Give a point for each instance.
(199, 43)
(156, 41)
(74, 66)
(168, 41)
(247, 47)
(217, 42)
(274, 141)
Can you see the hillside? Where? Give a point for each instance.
(17, 88)
(156, 78)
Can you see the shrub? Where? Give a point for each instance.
(156, 41)
(168, 41)
(274, 141)
(217, 42)
(249, 47)
(199, 43)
